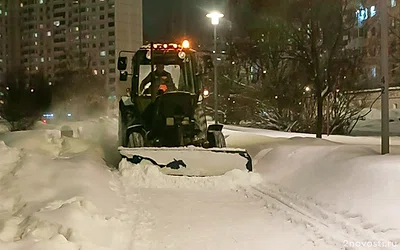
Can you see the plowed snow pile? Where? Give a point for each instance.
(350, 188)
(52, 202)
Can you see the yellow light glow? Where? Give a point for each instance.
(185, 44)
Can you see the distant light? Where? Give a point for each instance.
(206, 92)
(69, 115)
(50, 83)
(7, 88)
(32, 90)
(308, 89)
(219, 59)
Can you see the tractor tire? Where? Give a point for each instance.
(217, 139)
(200, 122)
(121, 131)
(135, 140)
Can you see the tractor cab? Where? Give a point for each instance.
(157, 69)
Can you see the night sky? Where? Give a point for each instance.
(167, 20)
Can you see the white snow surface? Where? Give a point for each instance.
(60, 193)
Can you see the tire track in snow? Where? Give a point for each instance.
(138, 220)
(331, 227)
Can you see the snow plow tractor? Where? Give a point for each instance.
(161, 118)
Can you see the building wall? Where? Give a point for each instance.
(9, 35)
(367, 36)
(128, 33)
(372, 98)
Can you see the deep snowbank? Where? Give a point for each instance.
(48, 202)
(353, 181)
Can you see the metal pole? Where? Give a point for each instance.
(215, 77)
(385, 79)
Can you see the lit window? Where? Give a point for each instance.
(42, 59)
(103, 71)
(373, 71)
(1, 12)
(41, 26)
(373, 11)
(40, 1)
(21, 4)
(103, 53)
(48, 33)
(35, 34)
(76, 28)
(393, 3)
(37, 68)
(36, 43)
(56, 23)
(95, 71)
(5, 13)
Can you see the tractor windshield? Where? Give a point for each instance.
(171, 73)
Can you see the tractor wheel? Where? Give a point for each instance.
(135, 140)
(216, 139)
(200, 122)
(121, 131)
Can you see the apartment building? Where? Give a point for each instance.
(41, 35)
(367, 36)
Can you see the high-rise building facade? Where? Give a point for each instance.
(42, 35)
(366, 36)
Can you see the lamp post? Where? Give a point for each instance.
(385, 78)
(215, 16)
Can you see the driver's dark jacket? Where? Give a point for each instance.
(163, 77)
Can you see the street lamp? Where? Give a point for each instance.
(215, 16)
(385, 78)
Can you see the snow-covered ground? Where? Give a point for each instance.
(371, 125)
(60, 193)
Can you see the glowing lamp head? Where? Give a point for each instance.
(215, 16)
(185, 44)
(206, 93)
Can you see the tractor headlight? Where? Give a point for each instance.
(170, 121)
(182, 55)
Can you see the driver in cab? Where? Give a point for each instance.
(163, 80)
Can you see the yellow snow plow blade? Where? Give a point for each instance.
(190, 161)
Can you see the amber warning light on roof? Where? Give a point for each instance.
(185, 44)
